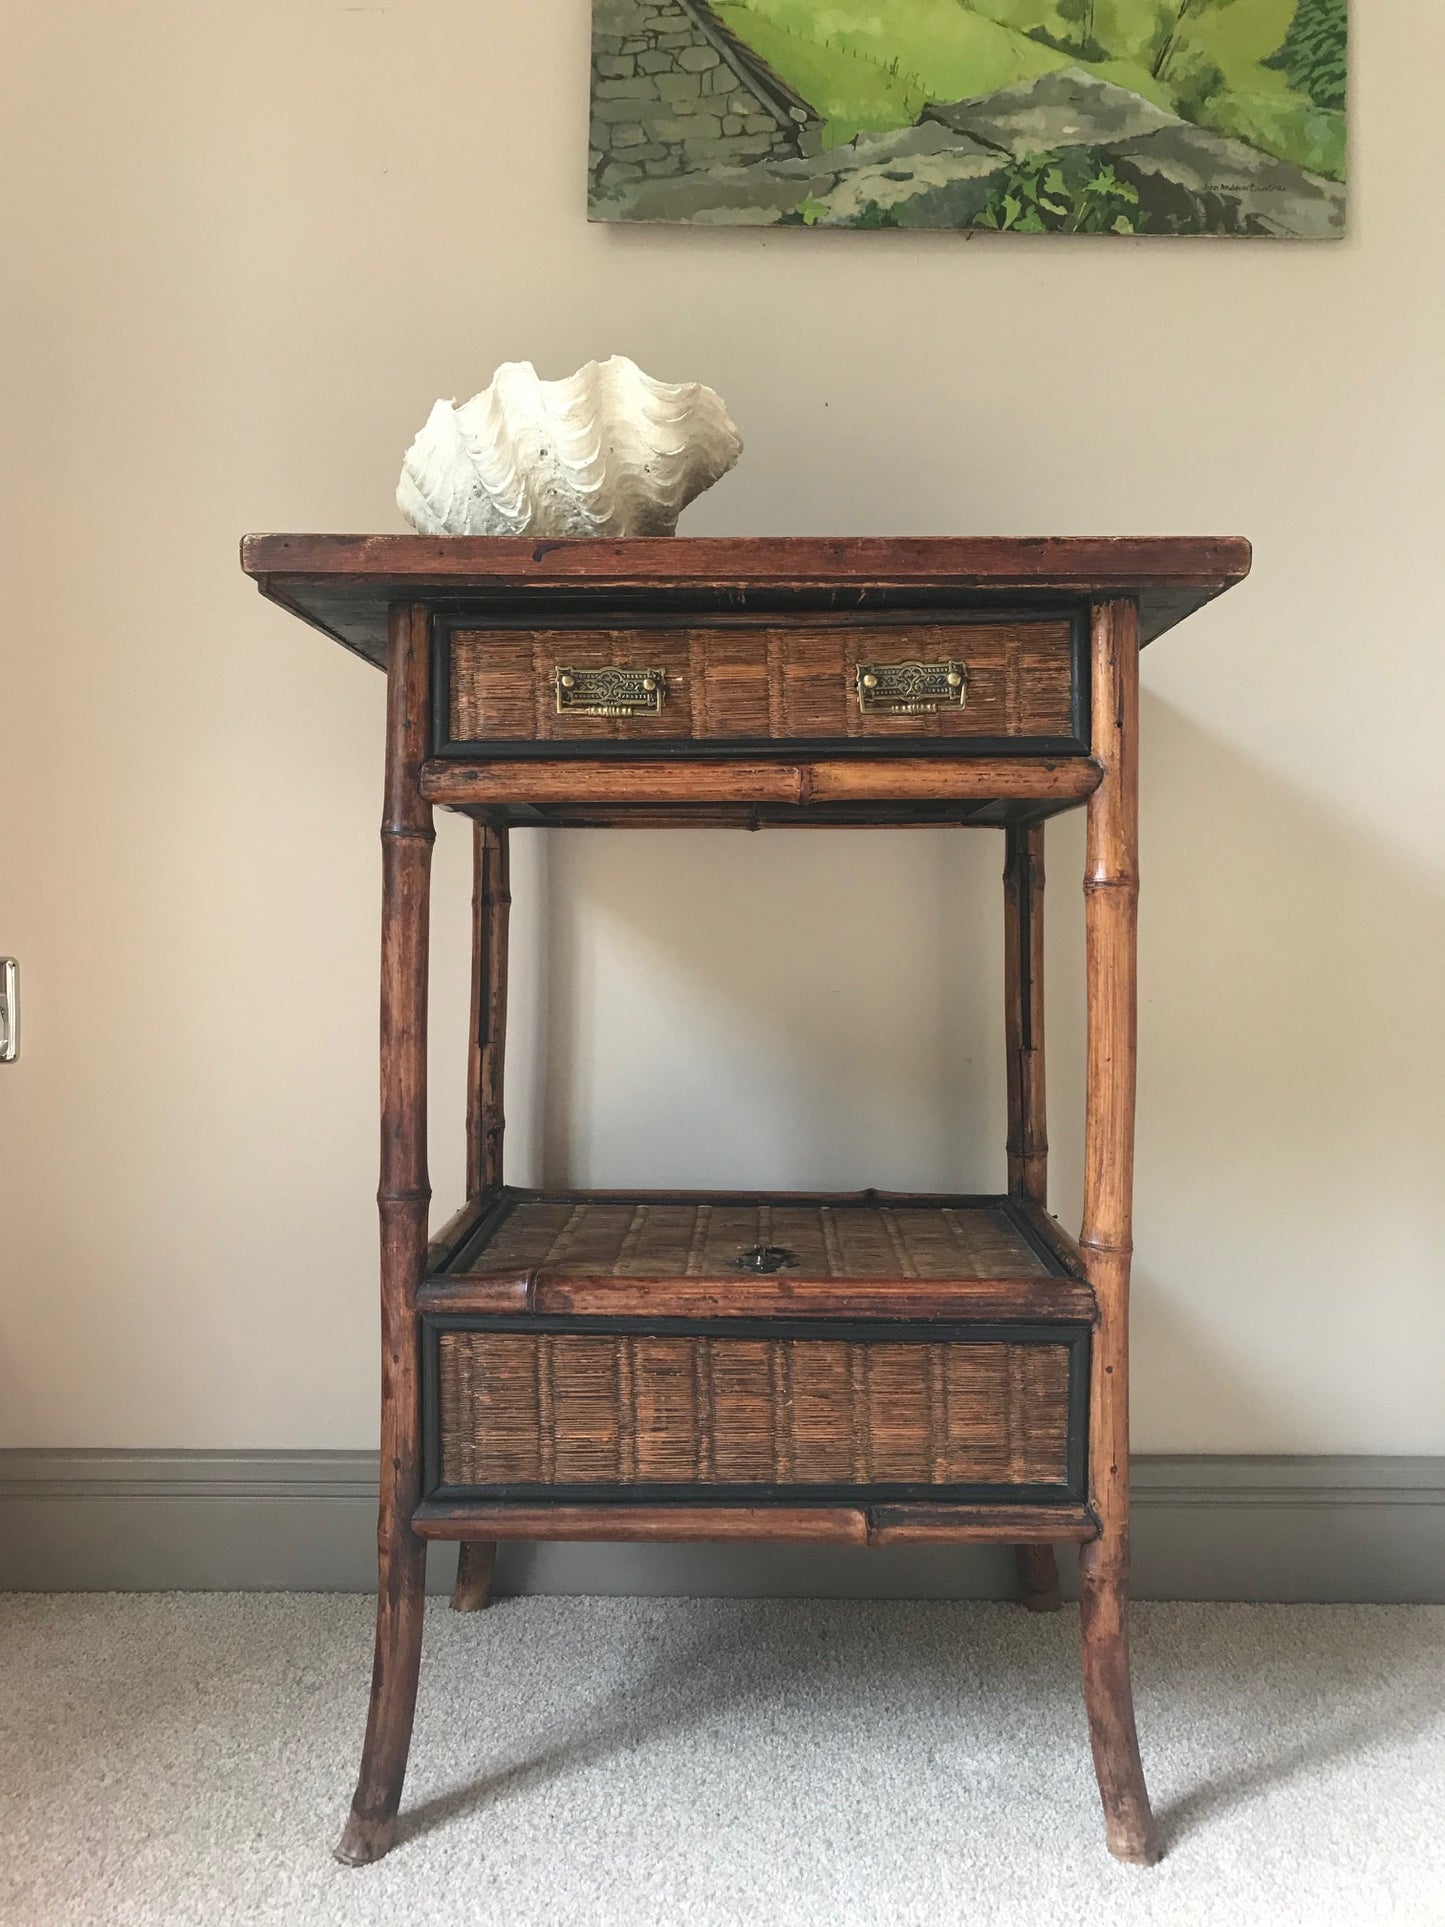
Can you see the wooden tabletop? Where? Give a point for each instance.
(342, 584)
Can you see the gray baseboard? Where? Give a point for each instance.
(1336, 1529)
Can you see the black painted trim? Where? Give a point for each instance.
(464, 1497)
(458, 1260)
(1081, 650)
(995, 814)
(1035, 1240)
(765, 749)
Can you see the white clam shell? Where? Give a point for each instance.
(609, 451)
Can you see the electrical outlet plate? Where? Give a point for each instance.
(9, 1010)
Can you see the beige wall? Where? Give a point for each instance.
(246, 246)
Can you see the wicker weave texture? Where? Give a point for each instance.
(606, 1239)
(573, 1408)
(758, 682)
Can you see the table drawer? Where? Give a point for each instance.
(587, 1409)
(989, 684)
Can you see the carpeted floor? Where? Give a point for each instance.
(187, 1758)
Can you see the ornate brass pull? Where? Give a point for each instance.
(609, 692)
(908, 688)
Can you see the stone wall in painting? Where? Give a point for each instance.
(673, 93)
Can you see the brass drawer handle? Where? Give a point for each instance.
(610, 692)
(910, 688)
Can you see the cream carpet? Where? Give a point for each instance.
(186, 1758)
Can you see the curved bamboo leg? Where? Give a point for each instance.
(476, 1565)
(1129, 1825)
(403, 1198)
(1111, 886)
(370, 1829)
(1039, 1579)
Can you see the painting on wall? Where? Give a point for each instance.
(1117, 117)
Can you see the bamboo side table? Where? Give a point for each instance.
(861, 1370)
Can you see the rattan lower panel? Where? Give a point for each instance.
(618, 1409)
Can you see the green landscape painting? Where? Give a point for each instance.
(1120, 117)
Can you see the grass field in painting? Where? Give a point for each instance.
(1269, 72)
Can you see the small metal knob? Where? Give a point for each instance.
(766, 1258)
(568, 682)
(870, 681)
(649, 683)
(955, 681)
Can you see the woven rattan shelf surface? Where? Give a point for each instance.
(703, 1238)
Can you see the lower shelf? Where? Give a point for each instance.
(627, 1351)
(727, 1253)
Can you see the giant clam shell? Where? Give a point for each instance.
(609, 451)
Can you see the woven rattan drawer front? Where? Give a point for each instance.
(993, 682)
(857, 1409)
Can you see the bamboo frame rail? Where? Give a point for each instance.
(1051, 1299)
(879, 1525)
(1043, 779)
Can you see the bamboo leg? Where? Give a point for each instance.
(1028, 1137)
(486, 1123)
(491, 905)
(1039, 1579)
(1111, 886)
(1028, 1140)
(476, 1564)
(403, 1198)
